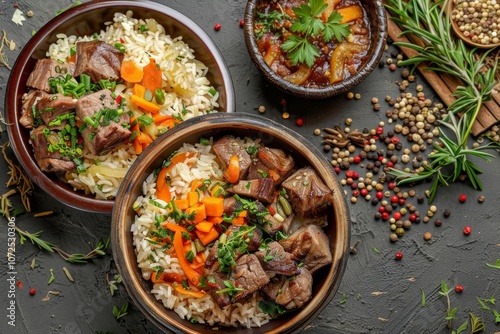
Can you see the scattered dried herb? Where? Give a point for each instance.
(18, 179)
(47, 297)
(68, 275)
(52, 277)
(496, 265)
(120, 312)
(4, 60)
(113, 283)
(423, 302)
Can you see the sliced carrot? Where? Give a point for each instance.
(169, 123)
(72, 59)
(238, 221)
(159, 118)
(331, 4)
(144, 138)
(174, 227)
(271, 54)
(161, 179)
(195, 184)
(181, 204)
(350, 13)
(207, 237)
(214, 206)
(243, 213)
(215, 220)
(274, 175)
(152, 76)
(164, 193)
(138, 90)
(198, 213)
(180, 157)
(199, 260)
(204, 226)
(192, 275)
(189, 293)
(144, 104)
(137, 146)
(232, 173)
(192, 198)
(130, 72)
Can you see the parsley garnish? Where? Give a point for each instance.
(308, 24)
(271, 308)
(235, 243)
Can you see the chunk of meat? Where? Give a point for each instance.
(276, 160)
(29, 99)
(216, 284)
(274, 259)
(212, 255)
(44, 70)
(257, 170)
(249, 276)
(226, 147)
(259, 189)
(99, 60)
(105, 137)
(48, 161)
(307, 193)
(296, 292)
(231, 206)
(310, 245)
(50, 106)
(273, 288)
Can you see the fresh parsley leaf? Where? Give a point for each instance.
(334, 27)
(271, 308)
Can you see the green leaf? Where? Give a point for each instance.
(483, 304)
(375, 250)
(462, 327)
(422, 303)
(495, 266)
(343, 300)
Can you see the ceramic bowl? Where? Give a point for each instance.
(86, 19)
(377, 18)
(326, 281)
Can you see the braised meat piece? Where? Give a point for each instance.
(274, 259)
(108, 134)
(307, 193)
(257, 170)
(216, 283)
(296, 292)
(226, 147)
(259, 189)
(48, 161)
(310, 245)
(212, 255)
(46, 69)
(231, 205)
(273, 288)
(248, 276)
(49, 106)
(275, 160)
(99, 60)
(29, 99)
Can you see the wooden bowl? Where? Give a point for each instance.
(86, 19)
(460, 34)
(377, 18)
(327, 279)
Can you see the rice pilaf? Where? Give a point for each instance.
(187, 93)
(151, 255)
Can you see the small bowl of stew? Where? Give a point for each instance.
(314, 49)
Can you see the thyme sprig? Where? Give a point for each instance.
(442, 52)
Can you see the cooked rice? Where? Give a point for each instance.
(191, 93)
(204, 310)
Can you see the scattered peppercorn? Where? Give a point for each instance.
(438, 222)
(459, 288)
(446, 213)
(462, 198)
(262, 109)
(480, 199)
(32, 291)
(242, 23)
(299, 121)
(467, 230)
(427, 236)
(217, 26)
(398, 256)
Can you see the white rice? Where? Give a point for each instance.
(204, 310)
(190, 93)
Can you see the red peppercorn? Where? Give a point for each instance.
(337, 169)
(380, 158)
(379, 194)
(401, 201)
(379, 130)
(413, 217)
(394, 140)
(356, 159)
(381, 209)
(363, 192)
(462, 198)
(391, 185)
(242, 23)
(390, 163)
(355, 175)
(459, 288)
(349, 173)
(394, 199)
(355, 193)
(385, 215)
(398, 256)
(299, 122)
(32, 291)
(467, 230)
(19, 284)
(217, 26)
(397, 215)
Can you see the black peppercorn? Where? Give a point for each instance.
(420, 199)
(438, 222)
(446, 213)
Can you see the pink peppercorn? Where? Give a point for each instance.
(398, 256)
(467, 230)
(459, 288)
(217, 26)
(462, 198)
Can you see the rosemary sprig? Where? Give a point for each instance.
(427, 21)
(35, 239)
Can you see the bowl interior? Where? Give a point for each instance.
(86, 19)
(271, 134)
(377, 18)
